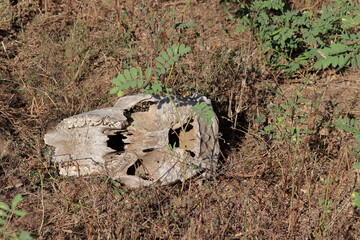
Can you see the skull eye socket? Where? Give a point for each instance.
(138, 169)
(132, 169)
(184, 137)
(180, 138)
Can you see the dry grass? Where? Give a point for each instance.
(57, 59)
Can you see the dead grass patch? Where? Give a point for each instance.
(60, 57)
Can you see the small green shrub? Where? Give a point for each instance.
(6, 215)
(295, 39)
(287, 120)
(149, 82)
(352, 126)
(327, 206)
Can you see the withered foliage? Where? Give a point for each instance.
(57, 58)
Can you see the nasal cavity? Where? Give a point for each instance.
(116, 141)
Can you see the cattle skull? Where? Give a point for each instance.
(141, 140)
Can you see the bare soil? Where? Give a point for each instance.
(57, 59)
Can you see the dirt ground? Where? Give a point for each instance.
(57, 59)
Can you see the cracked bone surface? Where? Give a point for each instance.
(142, 140)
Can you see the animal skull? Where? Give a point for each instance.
(142, 140)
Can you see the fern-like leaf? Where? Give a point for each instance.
(356, 197)
(348, 125)
(170, 56)
(204, 112)
(130, 79)
(153, 88)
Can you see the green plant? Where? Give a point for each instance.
(352, 126)
(184, 25)
(295, 39)
(149, 82)
(6, 215)
(326, 205)
(288, 121)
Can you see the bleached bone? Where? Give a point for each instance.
(142, 140)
